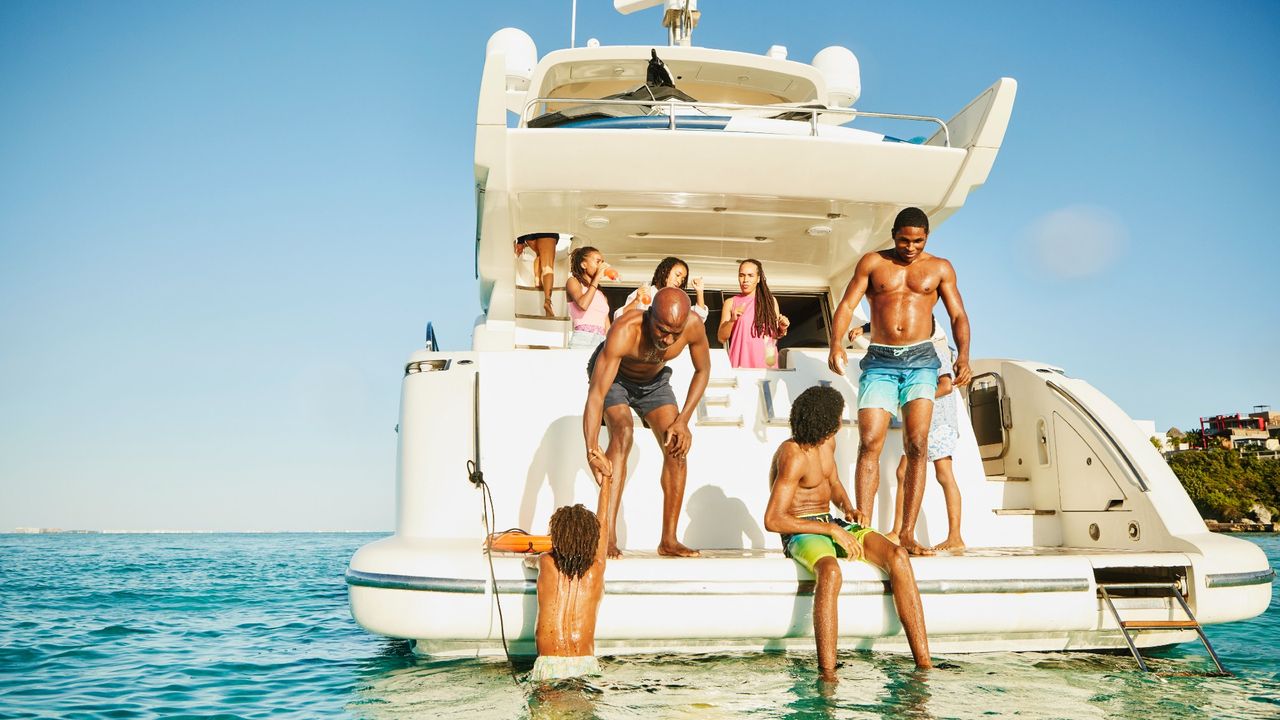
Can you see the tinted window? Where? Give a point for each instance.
(809, 314)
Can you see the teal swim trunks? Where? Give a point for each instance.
(894, 375)
(807, 548)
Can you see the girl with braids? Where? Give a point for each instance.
(588, 308)
(571, 584)
(750, 323)
(671, 272)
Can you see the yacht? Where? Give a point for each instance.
(1080, 537)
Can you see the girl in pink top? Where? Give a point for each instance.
(750, 323)
(588, 308)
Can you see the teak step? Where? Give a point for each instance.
(558, 318)
(1023, 511)
(1151, 624)
(1128, 626)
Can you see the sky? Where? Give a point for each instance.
(224, 225)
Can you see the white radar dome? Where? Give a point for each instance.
(839, 67)
(521, 53)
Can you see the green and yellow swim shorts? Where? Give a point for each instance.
(807, 548)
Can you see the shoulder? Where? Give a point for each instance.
(941, 265)
(693, 325)
(547, 565)
(789, 455)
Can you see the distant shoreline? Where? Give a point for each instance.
(42, 532)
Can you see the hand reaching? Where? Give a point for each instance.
(600, 465)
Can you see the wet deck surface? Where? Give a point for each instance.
(986, 552)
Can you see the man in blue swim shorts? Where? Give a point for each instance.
(803, 484)
(900, 370)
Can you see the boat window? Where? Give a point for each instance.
(810, 314)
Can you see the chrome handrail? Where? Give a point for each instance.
(673, 104)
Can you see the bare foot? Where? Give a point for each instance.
(914, 548)
(675, 549)
(951, 544)
(892, 537)
(614, 553)
(547, 308)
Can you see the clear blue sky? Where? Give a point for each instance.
(223, 225)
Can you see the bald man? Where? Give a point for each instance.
(628, 371)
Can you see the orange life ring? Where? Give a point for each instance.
(520, 542)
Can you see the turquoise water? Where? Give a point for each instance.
(124, 626)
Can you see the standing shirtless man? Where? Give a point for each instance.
(900, 370)
(628, 370)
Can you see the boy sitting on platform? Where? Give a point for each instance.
(803, 483)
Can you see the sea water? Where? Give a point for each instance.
(257, 626)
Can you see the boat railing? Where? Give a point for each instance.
(672, 106)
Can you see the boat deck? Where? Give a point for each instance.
(969, 552)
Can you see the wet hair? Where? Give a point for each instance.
(575, 537)
(816, 414)
(766, 320)
(663, 270)
(576, 259)
(911, 217)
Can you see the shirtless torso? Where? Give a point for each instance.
(903, 285)
(815, 490)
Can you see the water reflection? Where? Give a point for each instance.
(393, 683)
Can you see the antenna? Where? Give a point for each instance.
(573, 25)
(679, 18)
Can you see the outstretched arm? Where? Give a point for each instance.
(853, 294)
(602, 510)
(606, 370)
(951, 300)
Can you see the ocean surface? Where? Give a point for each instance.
(257, 626)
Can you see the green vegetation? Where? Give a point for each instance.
(1224, 485)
